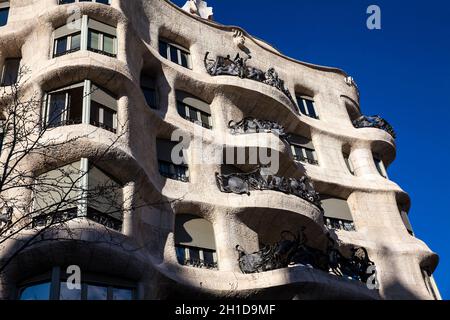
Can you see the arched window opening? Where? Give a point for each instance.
(194, 242)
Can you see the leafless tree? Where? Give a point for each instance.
(37, 201)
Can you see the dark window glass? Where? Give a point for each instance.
(66, 294)
(10, 72)
(66, 1)
(75, 115)
(208, 257)
(102, 1)
(194, 256)
(311, 111)
(164, 169)
(174, 54)
(4, 13)
(97, 292)
(181, 109)
(301, 106)
(108, 118)
(60, 46)
(163, 49)
(122, 294)
(36, 292)
(184, 59)
(205, 120)
(181, 255)
(150, 97)
(310, 154)
(57, 106)
(193, 115)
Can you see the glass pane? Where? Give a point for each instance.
(122, 294)
(10, 72)
(301, 105)
(181, 109)
(66, 294)
(76, 40)
(194, 255)
(95, 113)
(103, 1)
(108, 118)
(174, 54)
(310, 155)
(163, 49)
(108, 44)
(208, 258)
(60, 46)
(205, 120)
(311, 110)
(97, 292)
(36, 292)
(181, 255)
(93, 40)
(75, 106)
(56, 109)
(193, 115)
(4, 16)
(150, 97)
(184, 59)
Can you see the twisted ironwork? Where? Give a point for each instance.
(374, 122)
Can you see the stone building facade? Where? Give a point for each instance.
(142, 70)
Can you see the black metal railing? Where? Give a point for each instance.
(339, 224)
(305, 159)
(105, 219)
(196, 262)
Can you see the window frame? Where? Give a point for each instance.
(199, 121)
(380, 166)
(179, 49)
(5, 82)
(56, 277)
(303, 158)
(349, 164)
(5, 6)
(89, 89)
(302, 99)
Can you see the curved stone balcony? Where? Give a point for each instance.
(286, 284)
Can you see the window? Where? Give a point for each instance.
(194, 242)
(10, 72)
(194, 110)
(380, 166)
(337, 214)
(349, 164)
(303, 150)
(4, 13)
(407, 223)
(68, 106)
(85, 34)
(175, 53)
(167, 167)
(306, 107)
(73, 1)
(77, 190)
(67, 44)
(148, 89)
(44, 288)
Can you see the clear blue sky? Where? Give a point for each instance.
(403, 72)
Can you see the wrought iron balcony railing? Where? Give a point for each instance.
(293, 250)
(196, 257)
(238, 67)
(64, 216)
(374, 122)
(261, 179)
(338, 224)
(252, 125)
(301, 158)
